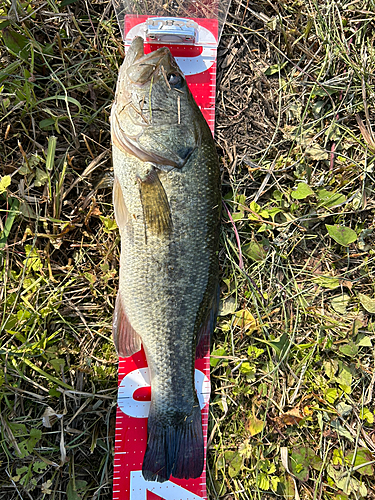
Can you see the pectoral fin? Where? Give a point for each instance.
(121, 212)
(155, 205)
(126, 339)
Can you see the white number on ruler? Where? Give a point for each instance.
(167, 490)
(188, 65)
(140, 378)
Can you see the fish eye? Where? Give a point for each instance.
(175, 80)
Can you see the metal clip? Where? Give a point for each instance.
(171, 30)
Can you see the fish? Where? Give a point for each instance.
(167, 203)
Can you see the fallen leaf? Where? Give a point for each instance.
(254, 426)
(4, 183)
(367, 303)
(340, 303)
(291, 417)
(245, 320)
(315, 152)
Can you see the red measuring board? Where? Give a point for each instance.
(198, 63)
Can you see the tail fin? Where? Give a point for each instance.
(176, 450)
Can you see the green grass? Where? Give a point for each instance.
(292, 364)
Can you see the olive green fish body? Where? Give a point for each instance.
(167, 206)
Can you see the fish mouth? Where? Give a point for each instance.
(142, 68)
(139, 72)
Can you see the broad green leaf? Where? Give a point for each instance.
(327, 282)
(301, 460)
(58, 364)
(330, 367)
(348, 484)
(362, 457)
(281, 344)
(109, 224)
(18, 429)
(234, 461)
(254, 426)
(74, 489)
(332, 394)
(363, 341)
(4, 183)
(35, 435)
(237, 216)
(246, 368)
(341, 234)
(254, 352)
(39, 466)
(367, 303)
(274, 482)
(27, 211)
(254, 251)
(263, 481)
(217, 353)
(365, 414)
(317, 108)
(350, 349)
(277, 195)
(273, 212)
(275, 68)
(340, 496)
(16, 43)
(344, 379)
(333, 132)
(337, 457)
(303, 191)
(340, 303)
(341, 430)
(316, 152)
(46, 123)
(41, 177)
(254, 207)
(32, 261)
(329, 199)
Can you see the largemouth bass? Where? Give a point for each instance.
(167, 206)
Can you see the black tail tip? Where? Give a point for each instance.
(175, 450)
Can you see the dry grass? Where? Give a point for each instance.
(293, 356)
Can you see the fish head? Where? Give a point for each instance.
(154, 116)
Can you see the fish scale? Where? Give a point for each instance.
(168, 213)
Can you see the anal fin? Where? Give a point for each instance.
(126, 339)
